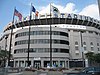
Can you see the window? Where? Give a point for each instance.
(40, 50)
(92, 48)
(96, 33)
(84, 43)
(55, 50)
(64, 51)
(84, 48)
(76, 43)
(97, 44)
(64, 34)
(41, 33)
(91, 43)
(75, 31)
(77, 54)
(98, 49)
(76, 48)
(68, 30)
(90, 32)
(46, 50)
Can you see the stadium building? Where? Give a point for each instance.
(73, 35)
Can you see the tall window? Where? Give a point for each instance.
(84, 48)
(84, 43)
(98, 49)
(77, 54)
(97, 44)
(92, 48)
(76, 43)
(76, 48)
(91, 43)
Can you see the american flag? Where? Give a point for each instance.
(19, 15)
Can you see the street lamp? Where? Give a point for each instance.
(5, 50)
(82, 49)
(99, 6)
(50, 39)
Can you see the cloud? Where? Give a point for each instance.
(90, 10)
(69, 8)
(44, 9)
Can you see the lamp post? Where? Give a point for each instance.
(50, 39)
(5, 50)
(82, 48)
(99, 6)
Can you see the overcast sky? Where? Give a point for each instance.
(82, 7)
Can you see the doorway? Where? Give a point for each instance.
(37, 64)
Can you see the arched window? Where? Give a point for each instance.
(91, 43)
(97, 44)
(76, 43)
(84, 43)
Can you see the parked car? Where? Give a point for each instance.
(90, 71)
(86, 71)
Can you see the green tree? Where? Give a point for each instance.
(4, 53)
(97, 58)
(3, 57)
(91, 58)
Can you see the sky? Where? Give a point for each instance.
(82, 7)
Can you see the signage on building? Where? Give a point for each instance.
(76, 16)
(37, 58)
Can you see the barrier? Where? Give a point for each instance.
(11, 71)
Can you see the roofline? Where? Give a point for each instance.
(73, 19)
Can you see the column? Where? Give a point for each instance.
(42, 63)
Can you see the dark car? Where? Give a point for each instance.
(90, 71)
(86, 71)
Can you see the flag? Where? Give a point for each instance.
(35, 11)
(19, 15)
(25, 18)
(55, 11)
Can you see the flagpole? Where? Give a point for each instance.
(29, 39)
(50, 39)
(11, 40)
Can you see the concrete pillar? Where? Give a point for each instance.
(68, 63)
(18, 64)
(14, 63)
(65, 64)
(32, 63)
(58, 63)
(42, 63)
(24, 63)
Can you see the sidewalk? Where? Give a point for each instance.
(36, 72)
(42, 73)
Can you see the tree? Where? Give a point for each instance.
(90, 56)
(4, 53)
(93, 58)
(97, 58)
(3, 57)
